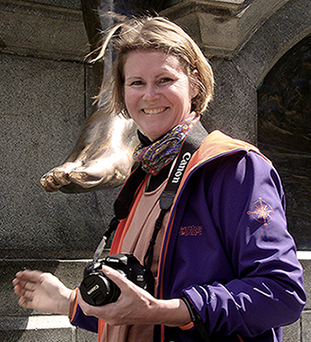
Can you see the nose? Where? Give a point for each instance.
(151, 93)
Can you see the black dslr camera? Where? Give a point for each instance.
(96, 289)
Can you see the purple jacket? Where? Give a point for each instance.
(227, 248)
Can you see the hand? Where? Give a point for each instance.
(43, 292)
(137, 306)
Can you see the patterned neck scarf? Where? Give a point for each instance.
(160, 153)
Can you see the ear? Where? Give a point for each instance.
(194, 83)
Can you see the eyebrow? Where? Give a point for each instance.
(157, 76)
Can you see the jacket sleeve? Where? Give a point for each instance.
(248, 208)
(80, 320)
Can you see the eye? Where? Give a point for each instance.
(136, 83)
(165, 80)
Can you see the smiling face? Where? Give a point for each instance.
(157, 91)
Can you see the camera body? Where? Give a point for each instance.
(96, 289)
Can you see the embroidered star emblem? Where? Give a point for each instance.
(261, 211)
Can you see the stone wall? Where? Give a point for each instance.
(45, 94)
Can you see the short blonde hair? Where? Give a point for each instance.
(154, 33)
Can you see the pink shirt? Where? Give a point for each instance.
(136, 242)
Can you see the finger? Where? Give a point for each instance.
(25, 290)
(29, 286)
(25, 303)
(19, 286)
(29, 276)
(28, 295)
(15, 281)
(24, 284)
(19, 290)
(120, 280)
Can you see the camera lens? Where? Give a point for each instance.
(96, 289)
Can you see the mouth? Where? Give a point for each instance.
(154, 111)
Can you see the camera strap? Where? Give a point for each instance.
(191, 143)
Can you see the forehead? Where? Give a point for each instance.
(150, 61)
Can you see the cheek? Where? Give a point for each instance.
(183, 92)
(132, 95)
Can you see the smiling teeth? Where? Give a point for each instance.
(154, 111)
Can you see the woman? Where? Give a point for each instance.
(225, 265)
